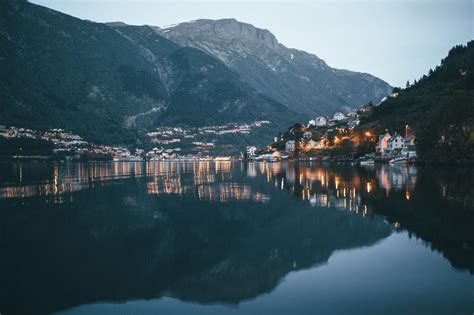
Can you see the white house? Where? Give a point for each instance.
(321, 121)
(251, 150)
(339, 116)
(307, 135)
(382, 143)
(395, 145)
(290, 146)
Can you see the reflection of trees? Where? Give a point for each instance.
(435, 204)
(439, 211)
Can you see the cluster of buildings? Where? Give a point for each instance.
(64, 141)
(71, 146)
(197, 140)
(337, 138)
(351, 119)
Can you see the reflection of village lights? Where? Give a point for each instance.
(369, 187)
(214, 182)
(21, 172)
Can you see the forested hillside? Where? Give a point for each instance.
(438, 108)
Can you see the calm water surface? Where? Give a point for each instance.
(235, 238)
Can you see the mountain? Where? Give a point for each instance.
(438, 108)
(295, 78)
(113, 83)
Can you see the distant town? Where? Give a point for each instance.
(168, 143)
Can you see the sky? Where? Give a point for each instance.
(395, 40)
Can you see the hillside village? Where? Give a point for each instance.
(339, 138)
(164, 143)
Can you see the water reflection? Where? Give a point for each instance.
(166, 178)
(74, 233)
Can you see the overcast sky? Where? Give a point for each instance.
(396, 40)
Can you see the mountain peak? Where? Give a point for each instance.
(228, 29)
(299, 80)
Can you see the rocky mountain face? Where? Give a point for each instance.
(297, 79)
(113, 83)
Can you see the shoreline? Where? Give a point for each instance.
(28, 158)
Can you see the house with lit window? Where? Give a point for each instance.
(321, 121)
(251, 151)
(339, 116)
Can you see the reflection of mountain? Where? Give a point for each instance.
(207, 232)
(298, 239)
(117, 241)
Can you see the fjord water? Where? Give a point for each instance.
(206, 237)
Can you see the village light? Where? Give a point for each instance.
(369, 187)
(368, 134)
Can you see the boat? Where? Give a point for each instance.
(367, 162)
(400, 160)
